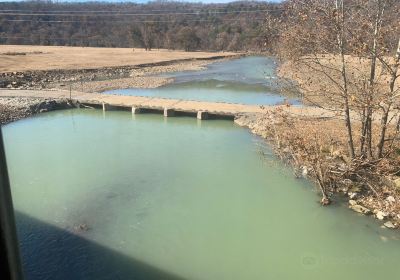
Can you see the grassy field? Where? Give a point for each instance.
(23, 58)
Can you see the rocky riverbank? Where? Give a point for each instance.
(316, 148)
(13, 109)
(100, 79)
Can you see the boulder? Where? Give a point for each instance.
(352, 195)
(380, 215)
(304, 171)
(360, 209)
(390, 225)
(352, 202)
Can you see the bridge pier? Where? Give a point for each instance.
(136, 110)
(107, 107)
(202, 115)
(169, 112)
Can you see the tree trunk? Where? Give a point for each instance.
(340, 42)
(370, 92)
(385, 117)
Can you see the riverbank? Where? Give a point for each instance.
(316, 148)
(121, 78)
(372, 185)
(16, 108)
(95, 69)
(101, 79)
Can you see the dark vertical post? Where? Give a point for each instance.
(70, 93)
(9, 250)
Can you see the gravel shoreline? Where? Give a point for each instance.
(16, 108)
(101, 79)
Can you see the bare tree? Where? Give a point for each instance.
(147, 34)
(344, 59)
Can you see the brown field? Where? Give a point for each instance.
(23, 58)
(317, 88)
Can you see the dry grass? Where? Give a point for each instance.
(311, 74)
(57, 57)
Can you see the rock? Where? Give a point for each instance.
(360, 209)
(390, 225)
(352, 195)
(391, 199)
(304, 171)
(83, 227)
(325, 201)
(381, 215)
(352, 202)
(343, 189)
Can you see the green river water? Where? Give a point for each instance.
(115, 196)
(249, 80)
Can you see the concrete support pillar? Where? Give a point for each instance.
(136, 110)
(106, 107)
(202, 115)
(169, 112)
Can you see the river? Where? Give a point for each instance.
(111, 195)
(250, 80)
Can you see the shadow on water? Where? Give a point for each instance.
(49, 252)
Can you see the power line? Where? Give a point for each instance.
(127, 20)
(194, 10)
(88, 37)
(141, 14)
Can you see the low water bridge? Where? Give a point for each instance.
(168, 107)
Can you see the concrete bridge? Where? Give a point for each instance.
(168, 107)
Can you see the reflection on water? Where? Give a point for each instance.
(111, 197)
(248, 80)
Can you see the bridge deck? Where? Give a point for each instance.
(160, 104)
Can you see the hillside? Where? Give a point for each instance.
(171, 25)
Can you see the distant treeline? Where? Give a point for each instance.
(235, 26)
